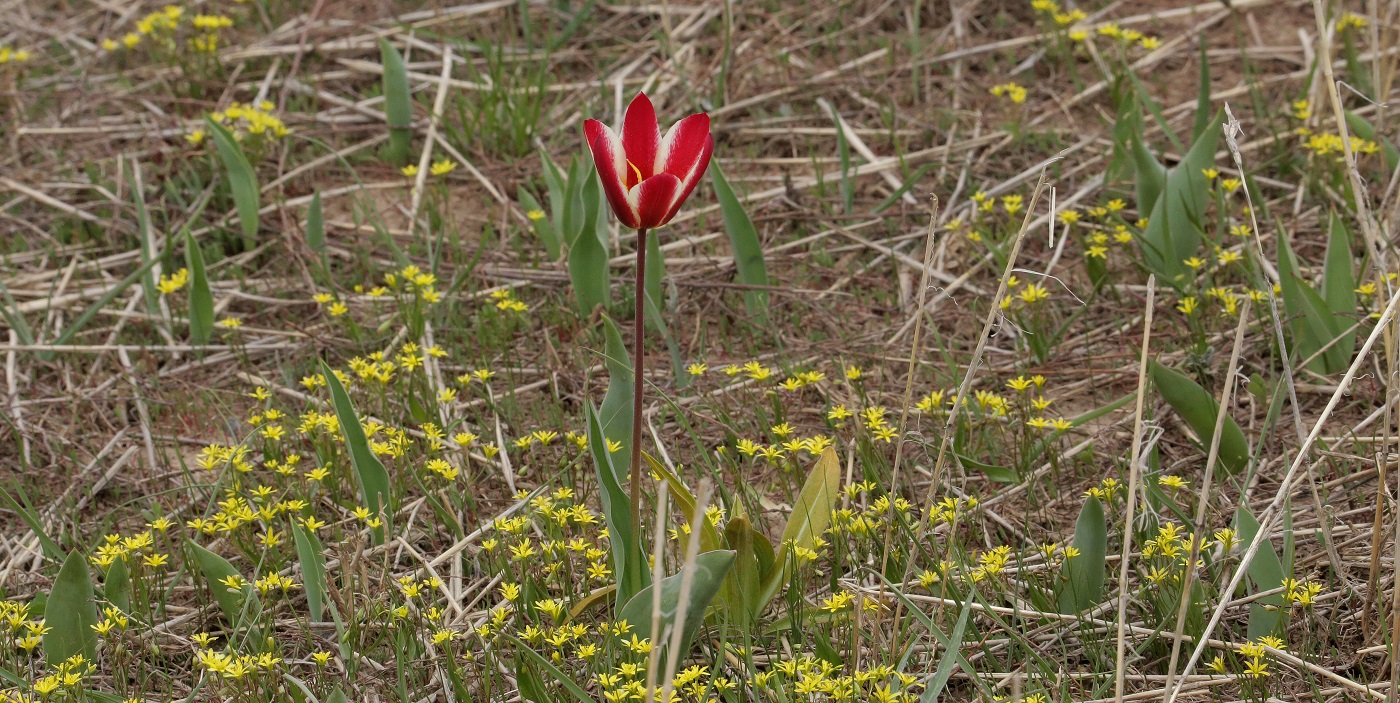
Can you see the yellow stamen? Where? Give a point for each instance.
(635, 171)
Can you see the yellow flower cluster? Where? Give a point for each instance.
(9, 55)
(244, 120)
(169, 283)
(1014, 92)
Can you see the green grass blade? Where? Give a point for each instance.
(91, 311)
(201, 300)
(711, 568)
(14, 318)
(71, 612)
(143, 226)
(1199, 408)
(1203, 111)
(375, 489)
(313, 570)
(31, 519)
(242, 180)
(843, 152)
(398, 104)
(316, 225)
(743, 239)
(564, 679)
(952, 657)
(238, 605)
(1086, 571)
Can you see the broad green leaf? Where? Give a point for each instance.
(558, 196)
(616, 410)
(316, 225)
(337, 696)
(543, 226)
(375, 489)
(116, 588)
(588, 258)
(710, 571)
(201, 300)
(398, 104)
(313, 569)
(1199, 408)
(1127, 128)
(1084, 589)
(1150, 176)
(595, 215)
(998, 474)
(242, 180)
(1310, 319)
(564, 679)
(71, 612)
(744, 585)
(1265, 573)
(743, 240)
(629, 564)
(1361, 128)
(1172, 233)
(810, 517)
(238, 605)
(1339, 284)
(573, 214)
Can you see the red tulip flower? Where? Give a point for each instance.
(647, 176)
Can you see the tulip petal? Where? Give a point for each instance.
(641, 135)
(656, 199)
(692, 179)
(681, 149)
(611, 162)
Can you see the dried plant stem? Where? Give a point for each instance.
(1203, 498)
(692, 551)
(1131, 508)
(909, 384)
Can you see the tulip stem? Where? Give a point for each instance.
(638, 357)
